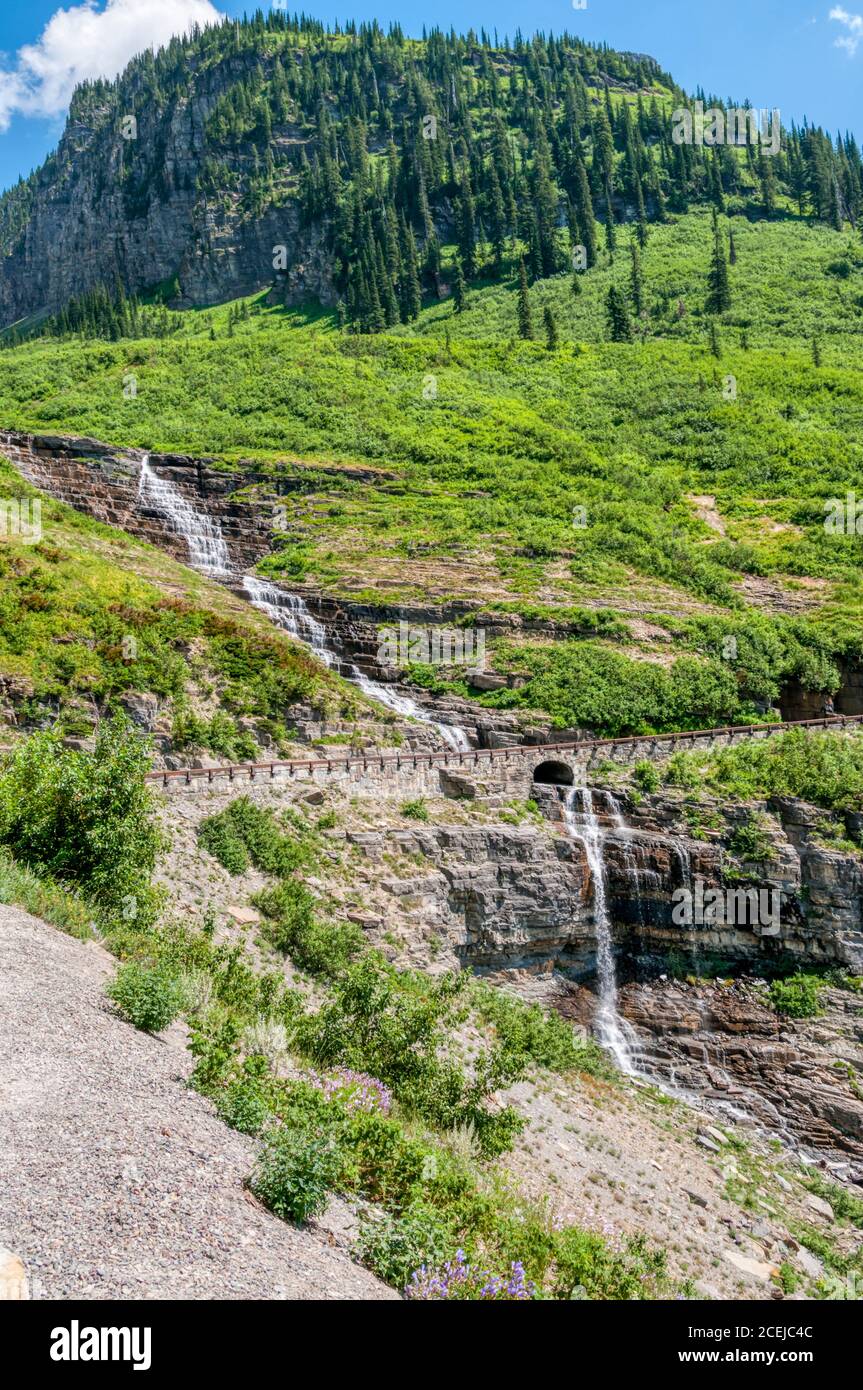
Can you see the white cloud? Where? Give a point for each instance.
(854, 24)
(86, 41)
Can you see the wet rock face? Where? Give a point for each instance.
(789, 1076)
(103, 482)
(650, 854)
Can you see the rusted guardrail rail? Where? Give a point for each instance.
(476, 756)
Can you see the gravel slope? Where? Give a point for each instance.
(115, 1180)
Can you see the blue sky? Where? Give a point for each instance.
(804, 56)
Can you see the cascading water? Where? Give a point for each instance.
(582, 823)
(209, 553)
(290, 612)
(207, 549)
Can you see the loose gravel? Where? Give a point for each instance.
(116, 1180)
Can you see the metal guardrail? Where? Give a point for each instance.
(475, 756)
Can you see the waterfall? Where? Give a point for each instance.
(207, 549)
(584, 825)
(209, 553)
(453, 735)
(290, 612)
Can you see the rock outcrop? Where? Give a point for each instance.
(140, 211)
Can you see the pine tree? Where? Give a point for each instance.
(550, 324)
(714, 339)
(525, 318)
(584, 211)
(636, 284)
(719, 286)
(610, 238)
(411, 298)
(458, 290)
(620, 327)
(816, 351)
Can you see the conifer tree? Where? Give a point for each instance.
(619, 325)
(458, 289)
(719, 286)
(636, 284)
(525, 318)
(550, 325)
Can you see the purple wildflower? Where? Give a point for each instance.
(355, 1089)
(458, 1280)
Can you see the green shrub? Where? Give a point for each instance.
(242, 1106)
(148, 997)
(586, 1267)
(415, 810)
(395, 1028)
(295, 1173)
(529, 1031)
(86, 819)
(797, 996)
(751, 841)
(393, 1246)
(645, 776)
(245, 833)
(322, 948)
(218, 836)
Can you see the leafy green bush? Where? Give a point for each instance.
(242, 1106)
(322, 948)
(645, 776)
(797, 996)
(245, 833)
(394, 1027)
(528, 1031)
(587, 1267)
(219, 734)
(218, 836)
(148, 997)
(751, 841)
(415, 810)
(393, 1246)
(295, 1173)
(86, 819)
(821, 767)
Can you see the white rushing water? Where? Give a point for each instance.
(291, 612)
(614, 1034)
(203, 537)
(208, 552)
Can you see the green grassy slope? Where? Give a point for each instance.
(704, 514)
(89, 616)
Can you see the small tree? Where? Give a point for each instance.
(636, 283)
(619, 325)
(525, 318)
(458, 289)
(715, 347)
(719, 285)
(550, 324)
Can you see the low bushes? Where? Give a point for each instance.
(86, 819)
(244, 834)
(294, 1174)
(151, 998)
(797, 996)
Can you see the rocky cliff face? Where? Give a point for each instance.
(516, 902)
(132, 210)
